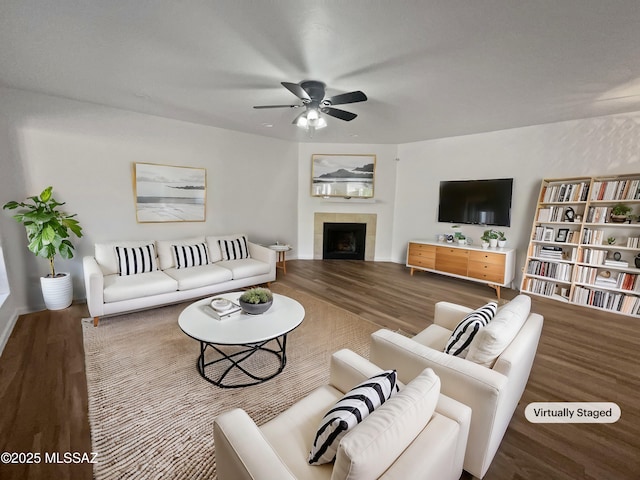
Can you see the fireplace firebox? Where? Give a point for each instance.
(344, 241)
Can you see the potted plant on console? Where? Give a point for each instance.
(502, 240)
(256, 300)
(492, 237)
(462, 240)
(48, 234)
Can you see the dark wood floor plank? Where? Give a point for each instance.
(584, 355)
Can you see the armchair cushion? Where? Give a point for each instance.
(348, 412)
(468, 328)
(492, 340)
(369, 450)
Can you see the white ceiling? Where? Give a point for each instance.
(431, 68)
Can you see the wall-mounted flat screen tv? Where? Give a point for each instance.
(482, 202)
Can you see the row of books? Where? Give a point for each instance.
(559, 271)
(616, 190)
(592, 256)
(621, 280)
(633, 242)
(541, 287)
(614, 301)
(598, 214)
(555, 253)
(551, 214)
(566, 192)
(593, 237)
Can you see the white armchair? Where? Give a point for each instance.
(403, 438)
(492, 392)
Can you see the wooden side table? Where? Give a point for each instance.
(281, 250)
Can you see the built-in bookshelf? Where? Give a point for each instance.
(581, 254)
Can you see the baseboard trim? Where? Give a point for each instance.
(6, 333)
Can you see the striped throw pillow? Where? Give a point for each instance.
(235, 249)
(134, 260)
(458, 343)
(354, 407)
(190, 255)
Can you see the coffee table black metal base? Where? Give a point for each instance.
(237, 358)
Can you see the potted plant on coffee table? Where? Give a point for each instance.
(48, 230)
(256, 300)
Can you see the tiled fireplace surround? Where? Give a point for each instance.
(321, 218)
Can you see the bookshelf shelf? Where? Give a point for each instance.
(570, 258)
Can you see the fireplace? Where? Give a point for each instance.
(344, 241)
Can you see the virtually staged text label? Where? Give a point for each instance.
(572, 412)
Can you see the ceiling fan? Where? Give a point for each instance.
(312, 94)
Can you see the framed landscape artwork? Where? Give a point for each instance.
(348, 176)
(169, 194)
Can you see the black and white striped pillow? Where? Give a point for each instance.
(234, 249)
(458, 343)
(134, 260)
(190, 255)
(357, 404)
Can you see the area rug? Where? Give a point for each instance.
(151, 414)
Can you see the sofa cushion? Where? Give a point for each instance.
(190, 255)
(352, 409)
(434, 336)
(493, 339)
(234, 249)
(213, 242)
(166, 257)
(135, 260)
(105, 254)
(194, 277)
(247, 267)
(369, 450)
(118, 288)
(463, 334)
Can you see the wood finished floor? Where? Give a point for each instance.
(584, 355)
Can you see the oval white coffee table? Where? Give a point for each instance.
(227, 346)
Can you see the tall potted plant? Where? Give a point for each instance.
(48, 234)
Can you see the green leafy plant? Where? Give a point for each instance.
(620, 209)
(257, 295)
(47, 227)
(488, 235)
(459, 236)
(501, 236)
(611, 240)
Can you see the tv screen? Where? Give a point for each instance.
(482, 202)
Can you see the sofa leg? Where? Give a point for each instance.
(96, 320)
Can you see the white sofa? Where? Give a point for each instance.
(492, 390)
(109, 293)
(417, 433)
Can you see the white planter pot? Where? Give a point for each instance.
(485, 244)
(57, 291)
(493, 242)
(502, 243)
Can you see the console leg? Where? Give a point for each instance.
(96, 320)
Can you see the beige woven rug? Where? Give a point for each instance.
(151, 413)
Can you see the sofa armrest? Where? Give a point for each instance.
(461, 414)
(94, 286)
(242, 452)
(264, 254)
(348, 369)
(448, 315)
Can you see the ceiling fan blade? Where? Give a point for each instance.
(277, 106)
(351, 97)
(341, 114)
(297, 90)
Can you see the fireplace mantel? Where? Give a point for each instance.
(318, 230)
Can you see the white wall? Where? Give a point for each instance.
(382, 206)
(604, 145)
(87, 151)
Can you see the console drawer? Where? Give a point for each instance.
(487, 257)
(490, 272)
(452, 260)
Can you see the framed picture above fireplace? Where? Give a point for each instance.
(348, 175)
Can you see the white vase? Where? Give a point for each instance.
(485, 244)
(57, 291)
(493, 242)
(502, 243)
